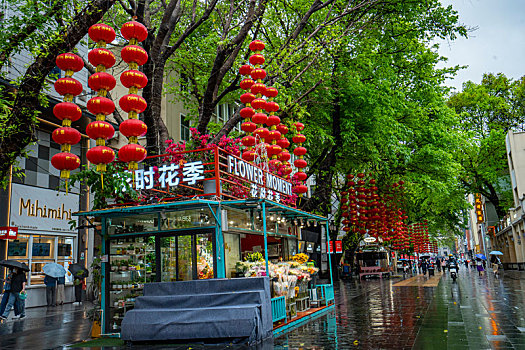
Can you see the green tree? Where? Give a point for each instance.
(487, 112)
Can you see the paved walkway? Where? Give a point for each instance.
(45, 328)
(473, 313)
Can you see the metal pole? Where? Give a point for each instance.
(265, 237)
(328, 251)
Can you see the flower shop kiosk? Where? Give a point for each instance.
(184, 257)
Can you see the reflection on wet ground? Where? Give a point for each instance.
(473, 313)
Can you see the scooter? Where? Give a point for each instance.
(453, 269)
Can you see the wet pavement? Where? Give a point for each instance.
(472, 313)
(45, 328)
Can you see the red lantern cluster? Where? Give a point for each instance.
(67, 112)
(364, 211)
(299, 151)
(421, 239)
(133, 104)
(100, 105)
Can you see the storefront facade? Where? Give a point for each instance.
(42, 217)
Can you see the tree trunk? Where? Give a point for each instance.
(22, 118)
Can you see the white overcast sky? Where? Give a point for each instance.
(498, 44)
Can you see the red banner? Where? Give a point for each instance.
(8, 232)
(338, 247)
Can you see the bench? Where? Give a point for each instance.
(370, 270)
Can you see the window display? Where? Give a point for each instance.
(132, 264)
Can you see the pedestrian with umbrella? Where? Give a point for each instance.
(7, 292)
(479, 265)
(495, 261)
(79, 273)
(52, 272)
(17, 292)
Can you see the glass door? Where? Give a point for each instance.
(205, 260)
(168, 248)
(185, 257)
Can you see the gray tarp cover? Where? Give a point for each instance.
(203, 309)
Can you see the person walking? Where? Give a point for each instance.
(17, 294)
(494, 260)
(424, 267)
(78, 282)
(479, 264)
(438, 263)
(7, 292)
(51, 288)
(61, 282)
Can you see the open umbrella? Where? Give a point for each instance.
(54, 270)
(78, 270)
(496, 252)
(481, 256)
(14, 263)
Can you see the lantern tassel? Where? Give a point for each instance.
(67, 187)
(102, 180)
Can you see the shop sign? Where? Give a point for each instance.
(263, 183)
(39, 209)
(370, 239)
(338, 247)
(8, 232)
(330, 247)
(169, 175)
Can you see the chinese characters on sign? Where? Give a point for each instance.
(169, 175)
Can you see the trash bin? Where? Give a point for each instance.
(431, 272)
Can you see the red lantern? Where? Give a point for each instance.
(65, 162)
(69, 62)
(283, 142)
(132, 102)
(68, 86)
(100, 155)
(246, 84)
(271, 107)
(259, 118)
(299, 151)
(248, 141)
(258, 74)
(133, 78)
(132, 153)
(100, 130)
(133, 128)
(257, 59)
(100, 105)
(350, 176)
(273, 150)
(271, 92)
(300, 189)
(283, 129)
(259, 103)
(262, 133)
(134, 30)
(101, 32)
(360, 175)
(67, 110)
(245, 69)
(134, 53)
(66, 135)
(257, 45)
(102, 81)
(286, 169)
(299, 138)
(258, 88)
(301, 176)
(101, 57)
(247, 112)
(248, 127)
(249, 155)
(274, 135)
(300, 163)
(247, 97)
(273, 120)
(284, 156)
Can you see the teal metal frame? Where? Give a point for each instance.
(278, 304)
